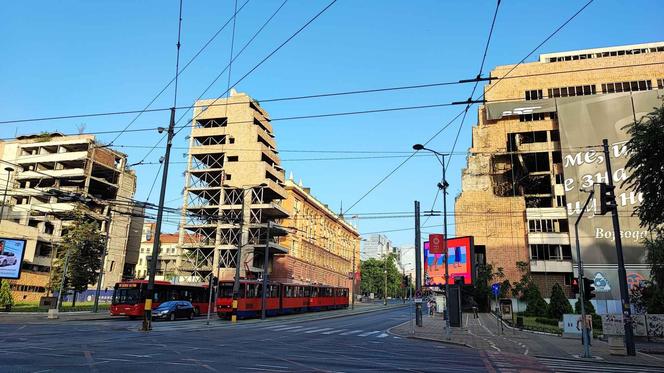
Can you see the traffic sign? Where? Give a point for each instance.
(418, 294)
(418, 300)
(495, 289)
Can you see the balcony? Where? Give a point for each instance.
(546, 213)
(551, 238)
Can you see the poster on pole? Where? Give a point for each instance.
(11, 257)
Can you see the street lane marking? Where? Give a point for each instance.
(301, 330)
(272, 366)
(287, 328)
(334, 331)
(351, 332)
(383, 335)
(368, 333)
(318, 330)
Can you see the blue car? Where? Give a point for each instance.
(174, 309)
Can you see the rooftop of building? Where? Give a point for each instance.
(306, 193)
(612, 51)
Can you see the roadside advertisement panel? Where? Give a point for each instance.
(584, 122)
(459, 262)
(11, 257)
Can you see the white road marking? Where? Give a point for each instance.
(383, 335)
(300, 330)
(351, 332)
(368, 333)
(318, 330)
(334, 331)
(288, 328)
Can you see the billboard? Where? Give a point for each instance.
(11, 257)
(584, 122)
(459, 261)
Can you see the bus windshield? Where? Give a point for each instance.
(126, 296)
(225, 290)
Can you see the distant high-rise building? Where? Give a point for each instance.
(376, 246)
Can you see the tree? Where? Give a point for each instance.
(485, 279)
(84, 245)
(558, 304)
(590, 309)
(519, 288)
(6, 298)
(646, 166)
(646, 176)
(536, 305)
(373, 277)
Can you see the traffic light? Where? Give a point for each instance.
(607, 199)
(588, 288)
(575, 286)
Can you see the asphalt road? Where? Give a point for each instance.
(344, 344)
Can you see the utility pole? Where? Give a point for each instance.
(147, 313)
(352, 301)
(582, 296)
(622, 274)
(444, 186)
(4, 196)
(95, 308)
(418, 266)
(266, 258)
(238, 261)
(385, 288)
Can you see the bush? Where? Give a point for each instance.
(546, 321)
(6, 299)
(559, 305)
(536, 305)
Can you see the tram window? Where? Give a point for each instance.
(314, 292)
(289, 291)
(307, 291)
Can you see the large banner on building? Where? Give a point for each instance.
(459, 261)
(11, 257)
(584, 122)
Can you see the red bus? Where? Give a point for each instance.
(281, 298)
(129, 297)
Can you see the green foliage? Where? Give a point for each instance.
(373, 277)
(647, 297)
(519, 288)
(6, 298)
(485, 278)
(547, 321)
(645, 166)
(590, 309)
(84, 245)
(535, 303)
(655, 256)
(558, 305)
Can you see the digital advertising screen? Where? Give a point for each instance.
(11, 257)
(459, 262)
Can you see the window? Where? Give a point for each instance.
(533, 94)
(633, 86)
(579, 90)
(561, 201)
(233, 158)
(550, 252)
(556, 157)
(555, 135)
(531, 117)
(660, 83)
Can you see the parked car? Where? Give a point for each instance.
(7, 258)
(174, 309)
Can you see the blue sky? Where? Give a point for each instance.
(76, 57)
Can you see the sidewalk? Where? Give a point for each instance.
(484, 333)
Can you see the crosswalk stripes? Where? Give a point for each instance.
(574, 365)
(351, 332)
(334, 331)
(330, 331)
(368, 333)
(318, 330)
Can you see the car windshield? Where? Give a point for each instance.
(168, 304)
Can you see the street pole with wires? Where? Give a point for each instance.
(266, 258)
(4, 196)
(584, 335)
(95, 308)
(147, 308)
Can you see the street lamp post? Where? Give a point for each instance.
(4, 196)
(441, 158)
(584, 332)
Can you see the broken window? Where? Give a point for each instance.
(536, 162)
(531, 117)
(538, 202)
(540, 184)
(555, 135)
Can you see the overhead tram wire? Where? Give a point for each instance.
(227, 67)
(472, 93)
(332, 94)
(481, 96)
(177, 74)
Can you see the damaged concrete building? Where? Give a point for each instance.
(46, 170)
(513, 196)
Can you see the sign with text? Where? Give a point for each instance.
(436, 243)
(459, 261)
(11, 257)
(584, 122)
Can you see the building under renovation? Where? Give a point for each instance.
(45, 171)
(514, 198)
(233, 188)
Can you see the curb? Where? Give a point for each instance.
(458, 344)
(598, 362)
